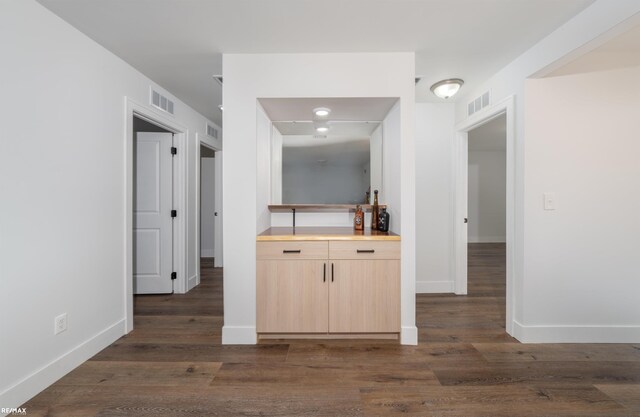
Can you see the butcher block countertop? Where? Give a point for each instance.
(280, 234)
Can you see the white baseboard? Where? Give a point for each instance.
(239, 335)
(487, 239)
(434, 287)
(409, 335)
(576, 334)
(207, 253)
(192, 282)
(34, 383)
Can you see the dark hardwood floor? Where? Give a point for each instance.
(173, 364)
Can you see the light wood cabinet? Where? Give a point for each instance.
(364, 296)
(337, 288)
(292, 296)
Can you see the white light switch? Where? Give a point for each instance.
(550, 201)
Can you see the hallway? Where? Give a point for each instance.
(465, 365)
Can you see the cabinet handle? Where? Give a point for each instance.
(324, 272)
(291, 251)
(332, 272)
(366, 251)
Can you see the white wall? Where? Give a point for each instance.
(249, 77)
(375, 161)
(207, 207)
(487, 201)
(276, 166)
(62, 181)
(599, 22)
(392, 161)
(581, 263)
(434, 193)
(263, 166)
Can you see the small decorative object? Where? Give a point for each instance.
(375, 214)
(358, 220)
(367, 197)
(383, 223)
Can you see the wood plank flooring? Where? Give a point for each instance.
(173, 364)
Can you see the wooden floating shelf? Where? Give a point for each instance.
(319, 208)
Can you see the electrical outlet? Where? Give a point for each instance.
(60, 323)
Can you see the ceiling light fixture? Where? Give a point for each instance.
(321, 127)
(322, 111)
(447, 88)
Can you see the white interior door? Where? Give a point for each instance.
(152, 221)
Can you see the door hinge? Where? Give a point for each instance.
(174, 150)
(174, 275)
(174, 213)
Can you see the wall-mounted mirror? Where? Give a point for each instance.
(335, 158)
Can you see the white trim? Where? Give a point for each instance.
(180, 198)
(409, 335)
(486, 239)
(460, 238)
(193, 281)
(203, 140)
(435, 287)
(576, 334)
(37, 381)
(239, 335)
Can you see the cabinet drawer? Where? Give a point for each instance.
(292, 250)
(364, 250)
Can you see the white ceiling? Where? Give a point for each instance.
(348, 109)
(620, 52)
(179, 43)
(336, 129)
(491, 136)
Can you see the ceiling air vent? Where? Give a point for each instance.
(212, 131)
(161, 102)
(479, 103)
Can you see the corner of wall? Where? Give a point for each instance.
(239, 335)
(409, 335)
(37, 381)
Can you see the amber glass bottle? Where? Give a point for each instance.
(375, 214)
(358, 220)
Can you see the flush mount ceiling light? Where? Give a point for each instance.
(321, 127)
(447, 88)
(322, 111)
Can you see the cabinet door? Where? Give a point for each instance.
(364, 296)
(292, 296)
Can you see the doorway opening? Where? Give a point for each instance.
(153, 211)
(208, 212)
(155, 183)
(486, 215)
(485, 201)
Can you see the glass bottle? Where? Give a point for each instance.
(383, 223)
(375, 214)
(358, 220)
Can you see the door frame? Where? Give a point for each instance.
(181, 133)
(217, 246)
(460, 173)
